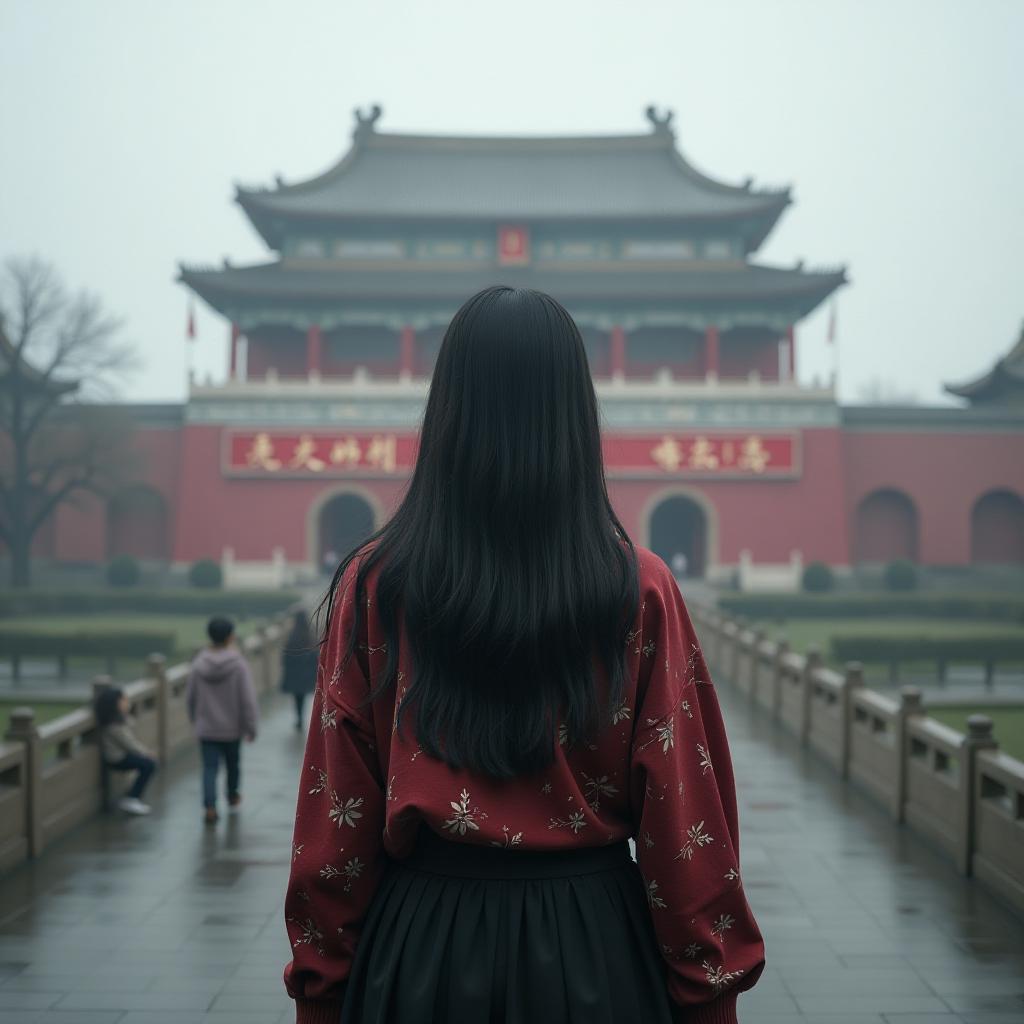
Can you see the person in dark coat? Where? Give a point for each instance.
(298, 664)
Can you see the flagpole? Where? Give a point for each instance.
(190, 336)
(835, 349)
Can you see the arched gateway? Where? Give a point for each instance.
(679, 523)
(340, 522)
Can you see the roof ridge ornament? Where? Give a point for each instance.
(662, 125)
(365, 122)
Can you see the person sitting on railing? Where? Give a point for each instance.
(120, 749)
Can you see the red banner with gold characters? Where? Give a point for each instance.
(309, 453)
(713, 454)
(357, 453)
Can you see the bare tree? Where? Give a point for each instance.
(59, 358)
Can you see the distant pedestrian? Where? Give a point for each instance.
(120, 749)
(221, 701)
(679, 565)
(330, 562)
(298, 664)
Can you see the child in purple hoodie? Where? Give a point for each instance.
(221, 701)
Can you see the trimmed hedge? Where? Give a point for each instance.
(773, 607)
(817, 578)
(165, 602)
(123, 571)
(96, 643)
(900, 574)
(205, 574)
(867, 647)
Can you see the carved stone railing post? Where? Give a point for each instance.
(776, 681)
(156, 669)
(755, 664)
(853, 679)
(22, 729)
(812, 663)
(979, 737)
(910, 706)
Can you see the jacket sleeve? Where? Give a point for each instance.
(337, 851)
(250, 703)
(190, 695)
(121, 735)
(687, 830)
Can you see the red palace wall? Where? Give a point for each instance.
(252, 516)
(80, 530)
(816, 511)
(942, 473)
(770, 518)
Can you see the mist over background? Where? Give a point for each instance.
(126, 124)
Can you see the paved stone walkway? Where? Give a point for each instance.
(160, 921)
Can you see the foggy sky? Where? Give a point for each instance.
(124, 126)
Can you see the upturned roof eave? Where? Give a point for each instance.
(267, 219)
(218, 289)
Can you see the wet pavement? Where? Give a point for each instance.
(161, 921)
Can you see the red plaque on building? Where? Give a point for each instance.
(749, 455)
(317, 453)
(513, 245)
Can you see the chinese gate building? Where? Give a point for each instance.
(712, 447)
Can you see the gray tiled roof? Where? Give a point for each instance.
(502, 177)
(737, 283)
(1003, 383)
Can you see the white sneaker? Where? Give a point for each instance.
(133, 806)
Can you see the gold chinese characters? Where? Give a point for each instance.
(711, 454)
(311, 453)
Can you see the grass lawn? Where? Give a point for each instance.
(189, 632)
(804, 633)
(1007, 723)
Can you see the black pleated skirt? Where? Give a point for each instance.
(462, 934)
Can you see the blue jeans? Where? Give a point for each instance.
(145, 766)
(212, 751)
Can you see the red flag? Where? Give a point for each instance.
(832, 324)
(190, 324)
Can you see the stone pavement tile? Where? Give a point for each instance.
(987, 1018)
(270, 984)
(73, 1017)
(122, 982)
(12, 1000)
(161, 1017)
(881, 961)
(923, 1018)
(823, 1018)
(135, 1001)
(211, 987)
(854, 981)
(248, 1017)
(814, 1006)
(996, 1003)
(967, 983)
(243, 1002)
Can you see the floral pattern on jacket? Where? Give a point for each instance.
(660, 773)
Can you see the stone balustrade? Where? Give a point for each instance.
(50, 773)
(956, 790)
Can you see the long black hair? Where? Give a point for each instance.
(105, 706)
(511, 569)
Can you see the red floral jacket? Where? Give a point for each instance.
(661, 773)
